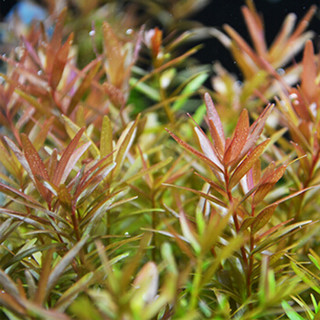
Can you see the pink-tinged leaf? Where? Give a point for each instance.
(73, 160)
(239, 139)
(267, 184)
(146, 282)
(254, 174)
(59, 174)
(262, 218)
(195, 152)
(247, 164)
(309, 73)
(256, 30)
(36, 165)
(207, 147)
(215, 125)
(256, 130)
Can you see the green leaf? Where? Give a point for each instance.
(293, 315)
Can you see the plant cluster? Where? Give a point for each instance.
(116, 205)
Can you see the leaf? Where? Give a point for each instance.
(59, 63)
(262, 218)
(83, 87)
(106, 137)
(64, 263)
(207, 148)
(239, 139)
(255, 130)
(267, 184)
(36, 165)
(60, 172)
(189, 233)
(309, 73)
(247, 163)
(194, 151)
(124, 143)
(73, 129)
(215, 125)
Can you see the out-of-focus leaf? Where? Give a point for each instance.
(191, 87)
(106, 137)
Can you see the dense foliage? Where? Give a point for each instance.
(118, 204)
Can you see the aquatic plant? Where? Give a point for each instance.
(117, 205)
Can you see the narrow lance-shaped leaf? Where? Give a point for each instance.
(64, 263)
(247, 164)
(105, 137)
(84, 86)
(215, 125)
(61, 167)
(267, 184)
(255, 130)
(194, 151)
(36, 165)
(262, 218)
(239, 139)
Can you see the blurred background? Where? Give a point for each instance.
(167, 14)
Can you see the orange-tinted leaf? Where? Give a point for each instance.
(255, 130)
(239, 139)
(84, 86)
(256, 30)
(262, 218)
(267, 184)
(59, 63)
(247, 164)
